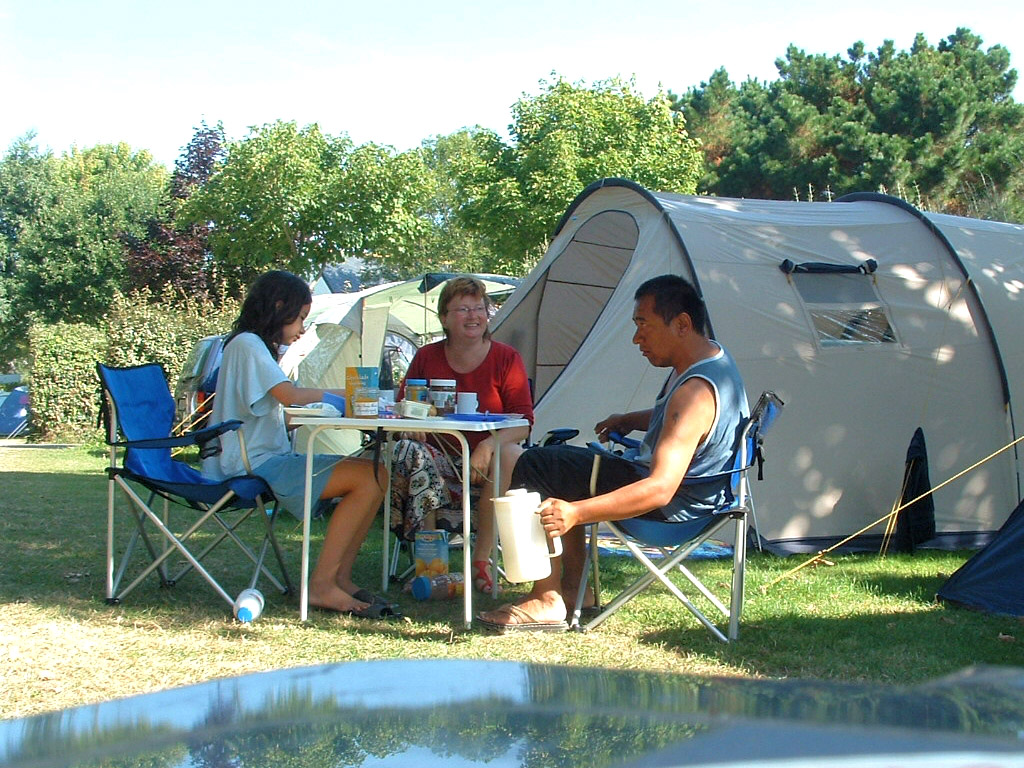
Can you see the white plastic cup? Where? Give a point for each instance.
(248, 605)
(466, 402)
(526, 550)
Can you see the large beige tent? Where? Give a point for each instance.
(867, 317)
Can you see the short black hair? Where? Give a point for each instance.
(673, 295)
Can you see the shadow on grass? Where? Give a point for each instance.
(53, 555)
(897, 646)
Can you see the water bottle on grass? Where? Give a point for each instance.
(248, 605)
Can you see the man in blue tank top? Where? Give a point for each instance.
(691, 430)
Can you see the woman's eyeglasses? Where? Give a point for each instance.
(464, 311)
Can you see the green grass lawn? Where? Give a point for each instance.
(866, 618)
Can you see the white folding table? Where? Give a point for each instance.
(447, 426)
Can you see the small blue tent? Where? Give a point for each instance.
(991, 579)
(14, 413)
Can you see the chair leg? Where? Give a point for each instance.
(157, 558)
(674, 562)
(271, 518)
(228, 531)
(396, 553)
(739, 567)
(177, 543)
(591, 568)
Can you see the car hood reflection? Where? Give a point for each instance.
(469, 713)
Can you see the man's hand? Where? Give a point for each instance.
(558, 516)
(613, 423)
(623, 423)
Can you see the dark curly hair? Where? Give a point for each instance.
(276, 298)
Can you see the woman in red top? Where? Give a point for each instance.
(426, 485)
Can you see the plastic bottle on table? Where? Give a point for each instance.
(248, 605)
(441, 587)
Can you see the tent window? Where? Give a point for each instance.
(844, 309)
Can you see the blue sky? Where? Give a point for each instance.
(82, 73)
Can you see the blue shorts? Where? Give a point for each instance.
(286, 476)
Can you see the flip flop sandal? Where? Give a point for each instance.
(374, 611)
(522, 621)
(366, 596)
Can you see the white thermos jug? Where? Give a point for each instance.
(524, 543)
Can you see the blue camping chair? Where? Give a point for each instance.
(677, 541)
(139, 414)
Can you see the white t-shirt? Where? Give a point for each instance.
(247, 374)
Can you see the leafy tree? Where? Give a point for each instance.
(381, 200)
(71, 260)
(169, 256)
(438, 240)
(932, 123)
(298, 199)
(175, 255)
(266, 205)
(198, 161)
(26, 188)
(68, 215)
(570, 135)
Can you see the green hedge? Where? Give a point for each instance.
(139, 328)
(147, 329)
(63, 388)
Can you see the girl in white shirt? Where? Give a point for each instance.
(252, 388)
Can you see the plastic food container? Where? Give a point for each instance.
(366, 403)
(412, 409)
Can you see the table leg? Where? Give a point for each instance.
(493, 554)
(386, 541)
(467, 535)
(307, 513)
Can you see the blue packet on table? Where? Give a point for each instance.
(338, 401)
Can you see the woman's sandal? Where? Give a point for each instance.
(482, 576)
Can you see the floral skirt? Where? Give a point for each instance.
(424, 480)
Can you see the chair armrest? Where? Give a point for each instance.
(559, 436)
(621, 439)
(189, 438)
(214, 430)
